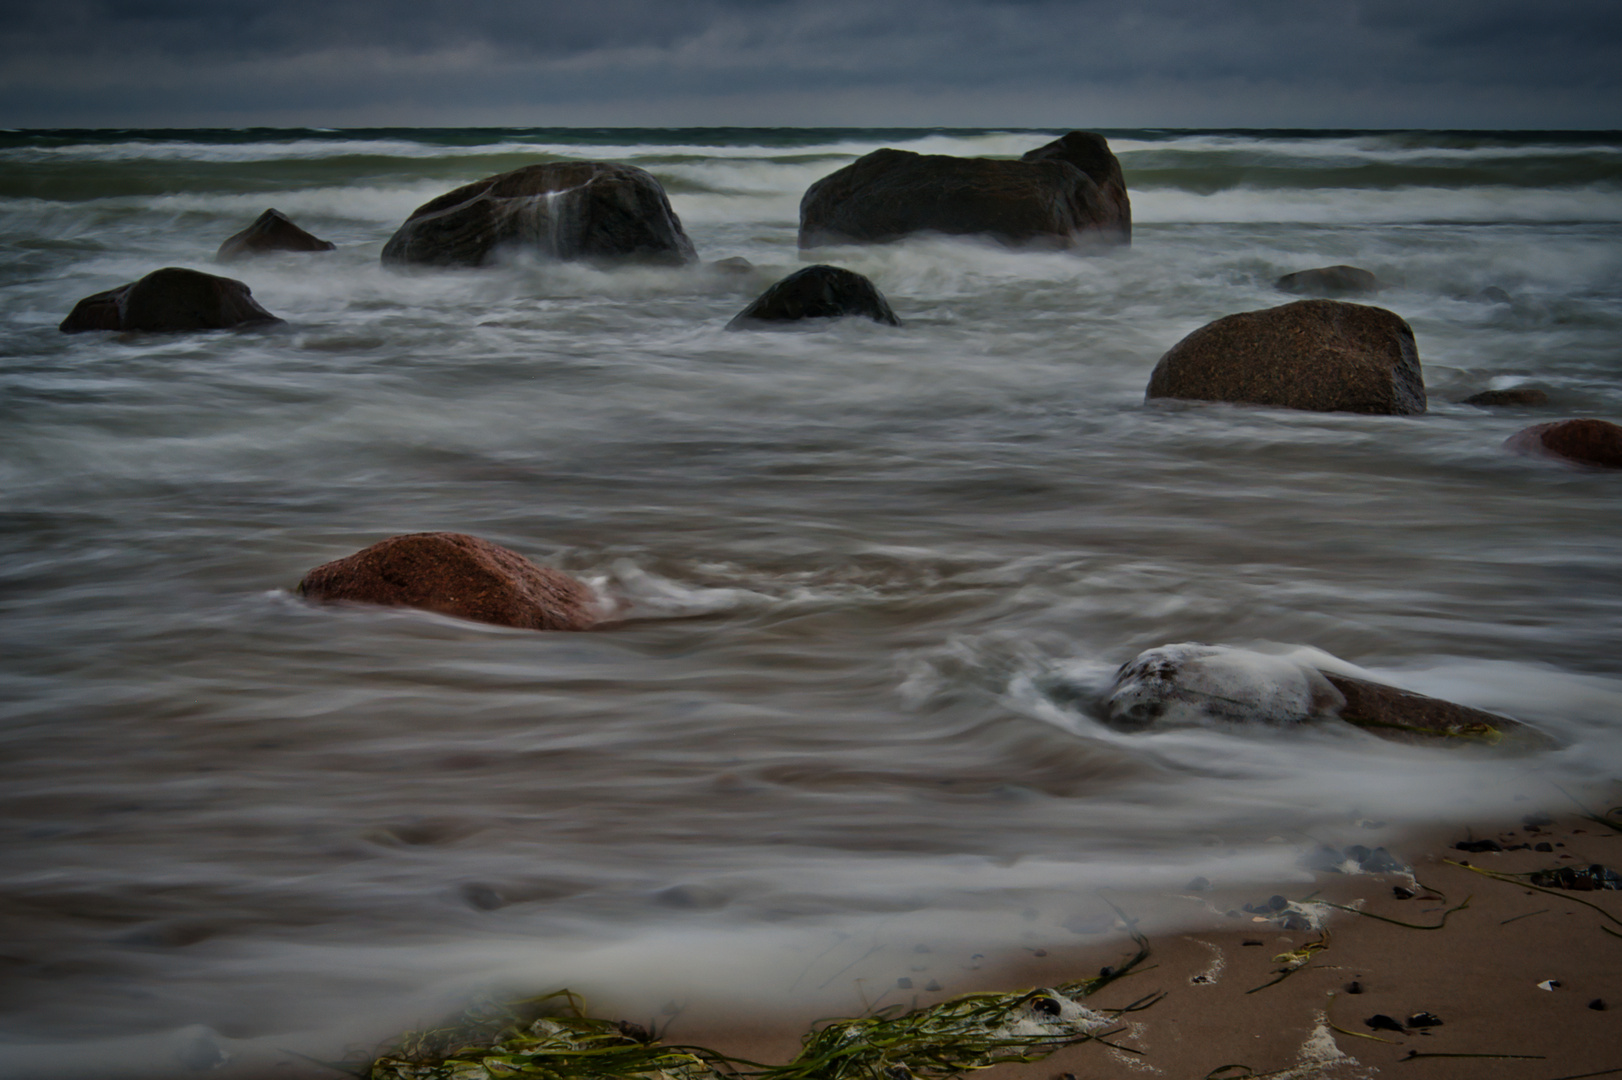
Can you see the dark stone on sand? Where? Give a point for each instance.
(1321, 355)
(1067, 194)
(1353, 987)
(1392, 713)
(1590, 879)
(272, 231)
(1598, 1005)
(459, 575)
(1584, 442)
(1424, 1020)
(1330, 281)
(170, 300)
(1543, 846)
(1476, 847)
(1520, 395)
(1398, 892)
(588, 211)
(1380, 861)
(817, 292)
(1382, 1022)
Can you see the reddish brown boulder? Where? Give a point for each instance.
(1323, 355)
(460, 575)
(1409, 717)
(1586, 442)
(1069, 193)
(589, 211)
(272, 231)
(169, 300)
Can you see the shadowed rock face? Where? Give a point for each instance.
(272, 231)
(169, 300)
(1069, 193)
(1586, 442)
(817, 292)
(1330, 281)
(459, 575)
(569, 211)
(1322, 355)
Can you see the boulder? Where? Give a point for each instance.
(169, 300)
(1331, 281)
(271, 231)
(1067, 194)
(459, 575)
(585, 211)
(817, 292)
(1519, 395)
(1585, 442)
(1323, 355)
(1405, 716)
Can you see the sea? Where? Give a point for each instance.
(874, 580)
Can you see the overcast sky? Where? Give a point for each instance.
(969, 63)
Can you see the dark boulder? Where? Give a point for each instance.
(585, 211)
(1586, 442)
(272, 231)
(459, 575)
(817, 292)
(1330, 281)
(1069, 193)
(1519, 395)
(1322, 355)
(169, 300)
(1409, 717)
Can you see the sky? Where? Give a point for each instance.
(843, 63)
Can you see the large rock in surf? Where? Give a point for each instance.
(1330, 281)
(1585, 442)
(1192, 684)
(817, 292)
(169, 300)
(1069, 193)
(459, 575)
(588, 211)
(1323, 355)
(271, 231)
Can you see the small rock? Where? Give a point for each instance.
(1424, 1020)
(1544, 846)
(1382, 1022)
(1330, 281)
(1199, 884)
(817, 292)
(1520, 395)
(272, 231)
(1476, 846)
(1598, 1005)
(932, 986)
(1354, 987)
(1381, 861)
(1549, 984)
(1584, 442)
(1401, 893)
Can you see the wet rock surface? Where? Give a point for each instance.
(817, 292)
(1402, 714)
(1517, 396)
(589, 211)
(271, 231)
(1585, 442)
(456, 574)
(1321, 355)
(170, 300)
(1069, 193)
(1330, 281)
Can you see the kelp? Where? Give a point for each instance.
(553, 1038)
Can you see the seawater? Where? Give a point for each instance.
(877, 576)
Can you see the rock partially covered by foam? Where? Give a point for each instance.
(1330, 281)
(271, 231)
(460, 575)
(1194, 684)
(170, 300)
(587, 211)
(817, 292)
(1585, 442)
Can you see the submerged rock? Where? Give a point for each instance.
(1330, 281)
(1519, 395)
(169, 300)
(1069, 193)
(1322, 355)
(460, 575)
(817, 292)
(272, 231)
(589, 211)
(1585, 442)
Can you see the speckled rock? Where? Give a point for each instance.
(1069, 193)
(271, 231)
(1406, 716)
(460, 575)
(1586, 442)
(1330, 281)
(817, 292)
(1322, 355)
(589, 211)
(173, 299)
(1519, 395)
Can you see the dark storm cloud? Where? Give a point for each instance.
(1492, 63)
